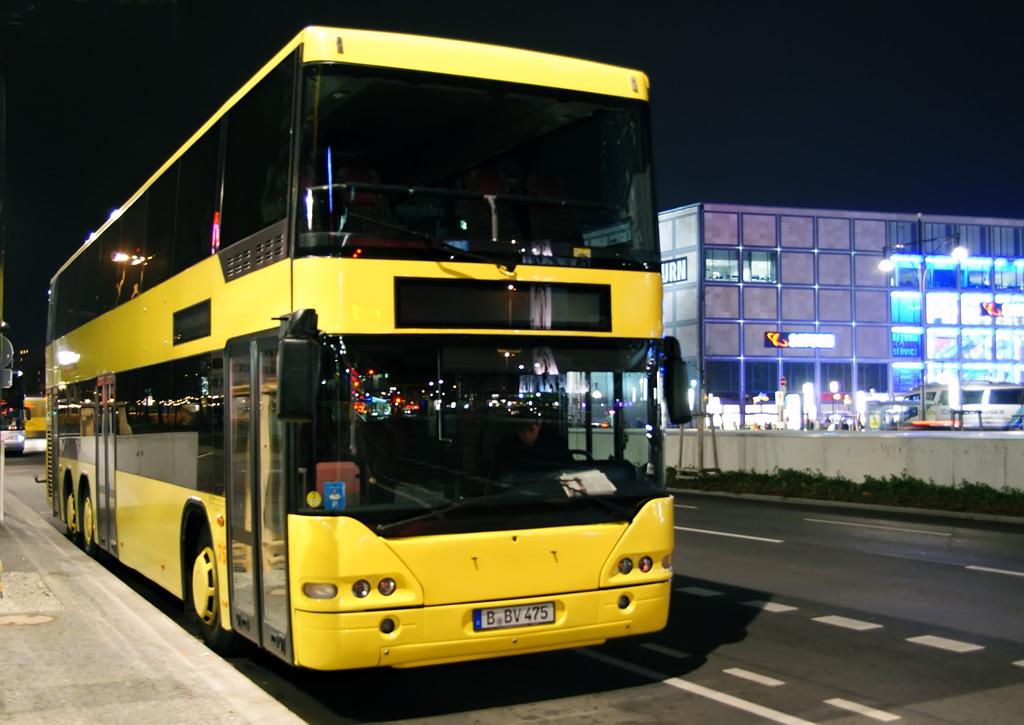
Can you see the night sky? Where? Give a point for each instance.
(896, 106)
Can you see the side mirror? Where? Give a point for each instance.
(676, 383)
(298, 367)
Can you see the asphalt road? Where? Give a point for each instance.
(781, 613)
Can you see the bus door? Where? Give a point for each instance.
(106, 465)
(256, 500)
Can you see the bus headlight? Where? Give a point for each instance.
(386, 586)
(320, 590)
(625, 565)
(361, 588)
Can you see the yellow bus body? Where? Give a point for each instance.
(442, 579)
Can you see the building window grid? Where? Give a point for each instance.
(958, 339)
(995, 344)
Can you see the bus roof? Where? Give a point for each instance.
(427, 54)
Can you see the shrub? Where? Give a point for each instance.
(902, 490)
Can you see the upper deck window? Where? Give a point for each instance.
(411, 165)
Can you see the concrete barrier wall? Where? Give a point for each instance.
(948, 458)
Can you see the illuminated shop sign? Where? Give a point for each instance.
(800, 340)
(1001, 309)
(674, 271)
(906, 345)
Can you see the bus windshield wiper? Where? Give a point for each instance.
(433, 512)
(438, 244)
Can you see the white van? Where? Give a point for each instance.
(997, 403)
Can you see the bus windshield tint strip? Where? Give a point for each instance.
(192, 323)
(442, 303)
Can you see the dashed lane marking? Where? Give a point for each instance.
(847, 623)
(730, 535)
(753, 677)
(773, 607)
(699, 591)
(699, 690)
(684, 506)
(950, 645)
(876, 526)
(870, 712)
(661, 649)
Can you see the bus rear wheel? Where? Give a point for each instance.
(70, 517)
(88, 527)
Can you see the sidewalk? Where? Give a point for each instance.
(78, 646)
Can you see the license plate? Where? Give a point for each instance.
(521, 615)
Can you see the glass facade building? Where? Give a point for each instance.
(774, 303)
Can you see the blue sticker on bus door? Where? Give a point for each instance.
(334, 495)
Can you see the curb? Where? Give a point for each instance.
(1019, 520)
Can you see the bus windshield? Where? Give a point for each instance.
(408, 426)
(401, 164)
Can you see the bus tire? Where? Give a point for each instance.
(203, 598)
(87, 539)
(70, 515)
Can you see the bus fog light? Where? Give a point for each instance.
(623, 602)
(319, 590)
(386, 587)
(646, 564)
(361, 588)
(387, 626)
(625, 565)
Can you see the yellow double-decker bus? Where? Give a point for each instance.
(368, 372)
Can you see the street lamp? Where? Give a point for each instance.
(959, 253)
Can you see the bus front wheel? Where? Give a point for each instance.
(205, 598)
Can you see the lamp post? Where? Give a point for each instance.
(959, 253)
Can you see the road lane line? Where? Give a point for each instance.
(847, 623)
(951, 645)
(871, 712)
(684, 506)
(773, 607)
(732, 701)
(699, 591)
(875, 526)
(699, 690)
(1019, 663)
(731, 536)
(1008, 572)
(753, 677)
(661, 649)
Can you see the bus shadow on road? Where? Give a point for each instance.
(703, 617)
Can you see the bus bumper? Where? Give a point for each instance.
(441, 634)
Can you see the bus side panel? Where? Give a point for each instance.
(149, 528)
(248, 303)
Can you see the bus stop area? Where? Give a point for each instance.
(79, 645)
